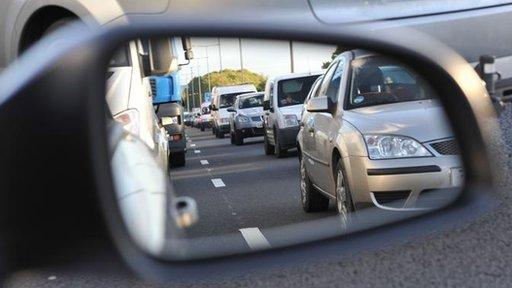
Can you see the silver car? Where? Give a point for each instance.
(373, 134)
(246, 119)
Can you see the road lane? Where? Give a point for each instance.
(259, 191)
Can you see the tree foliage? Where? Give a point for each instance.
(221, 78)
(335, 54)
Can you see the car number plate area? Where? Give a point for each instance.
(457, 177)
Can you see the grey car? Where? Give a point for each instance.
(246, 119)
(374, 134)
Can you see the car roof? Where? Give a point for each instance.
(233, 88)
(252, 94)
(296, 75)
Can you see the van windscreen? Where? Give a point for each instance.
(294, 91)
(227, 100)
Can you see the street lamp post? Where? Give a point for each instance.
(241, 59)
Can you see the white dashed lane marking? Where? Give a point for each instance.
(217, 182)
(204, 162)
(254, 238)
(192, 145)
(197, 151)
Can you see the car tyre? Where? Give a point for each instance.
(312, 200)
(239, 139)
(177, 159)
(278, 151)
(232, 135)
(269, 149)
(344, 202)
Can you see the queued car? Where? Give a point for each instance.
(283, 103)
(374, 134)
(205, 118)
(223, 97)
(246, 117)
(188, 118)
(171, 117)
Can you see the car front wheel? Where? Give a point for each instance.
(344, 204)
(278, 151)
(269, 149)
(312, 200)
(239, 139)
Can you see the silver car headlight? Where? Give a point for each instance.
(394, 146)
(290, 120)
(243, 119)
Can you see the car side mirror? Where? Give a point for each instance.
(231, 109)
(266, 105)
(213, 107)
(319, 104)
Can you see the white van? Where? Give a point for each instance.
(283, 103)
(223, 97)
(130, 101)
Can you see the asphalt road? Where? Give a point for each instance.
(476, 253)
(256, 191)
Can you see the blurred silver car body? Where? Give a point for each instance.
(246, 117)
(350, 135)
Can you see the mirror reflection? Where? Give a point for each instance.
(223, 145)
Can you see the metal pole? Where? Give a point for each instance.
(220, 55)
(192, 84)
(291, 57)
(208, 71)
(241, 59)
(199, 85)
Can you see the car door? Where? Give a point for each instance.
(307, 120)
(269, 116)
(327, 126)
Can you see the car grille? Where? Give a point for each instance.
(152, 82)
(395, 197)
(447, 147)
(257, 118)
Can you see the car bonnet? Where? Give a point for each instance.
(423, 120)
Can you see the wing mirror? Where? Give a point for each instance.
(319, 104)
(266, 105)
(101, 129)
(231, 109)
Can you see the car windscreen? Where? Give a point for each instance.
(294, 91)
(251, 102)
(380, 81)
(227, 100)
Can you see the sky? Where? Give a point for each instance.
(267, 57)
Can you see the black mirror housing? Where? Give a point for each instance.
(266, 105)
(85, 125)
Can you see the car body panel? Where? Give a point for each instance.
(15, 14)
(406, 118)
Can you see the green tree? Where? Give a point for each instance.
(223, 78)
(336, 52)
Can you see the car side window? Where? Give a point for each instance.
(327, 79)
(271, 94)
(334, 83)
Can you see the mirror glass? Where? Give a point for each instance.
(375, 147)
